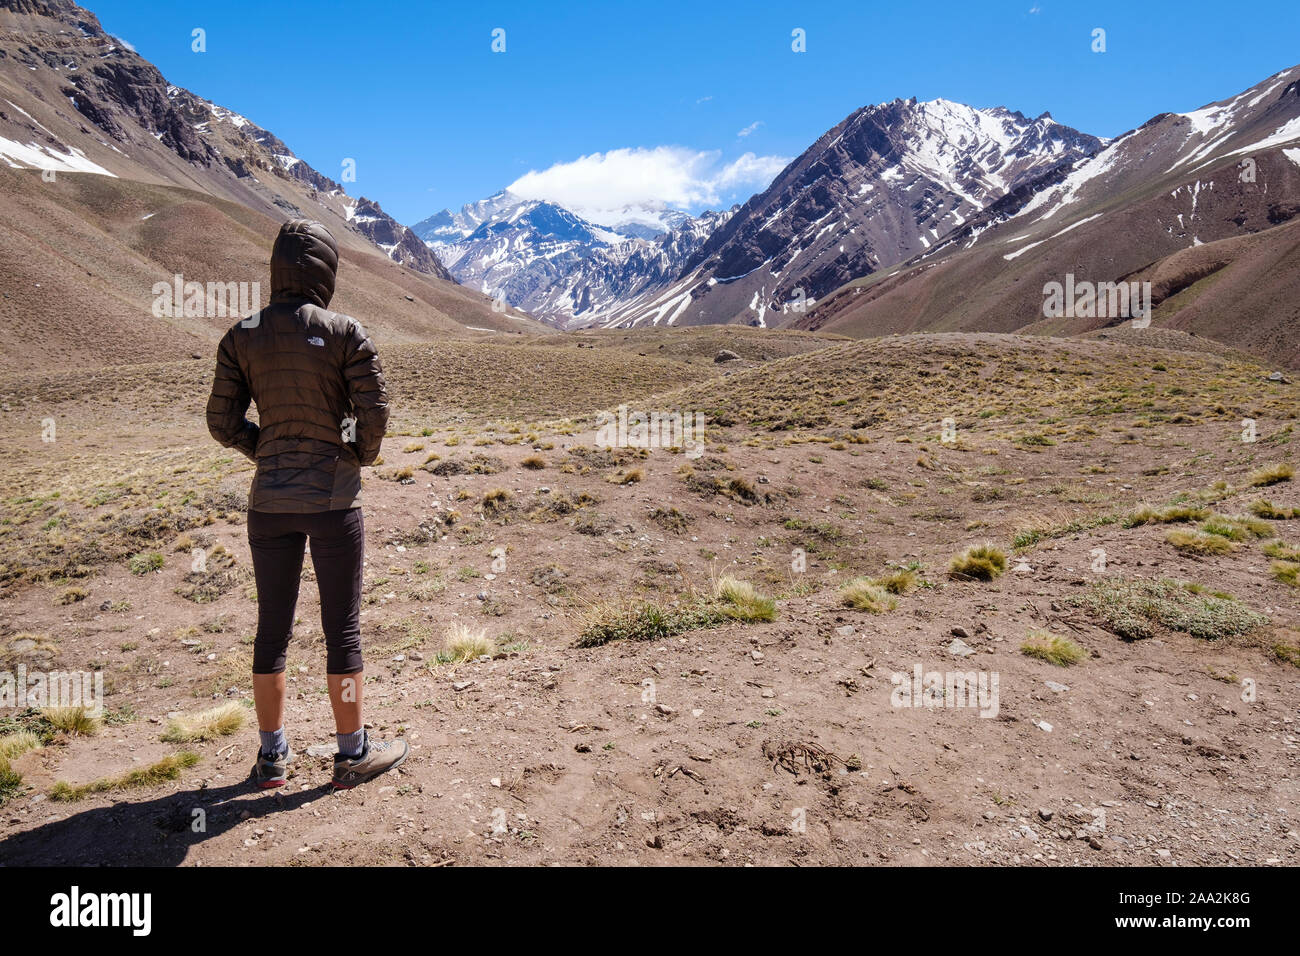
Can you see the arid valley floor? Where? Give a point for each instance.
(1109, 471)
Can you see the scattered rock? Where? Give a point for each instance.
(726, 355)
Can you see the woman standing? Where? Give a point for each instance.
(322, 408)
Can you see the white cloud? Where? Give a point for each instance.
(750, 169)
(750, 128)
(598, 186)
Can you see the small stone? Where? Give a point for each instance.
(959, 648)
(1056, 688)
(462, 685)
(845, 631)
(960, 632)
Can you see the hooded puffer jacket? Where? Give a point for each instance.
(315, 375)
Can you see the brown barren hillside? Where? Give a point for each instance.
(79, 258)
(75, 98)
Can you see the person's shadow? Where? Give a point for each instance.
(151, 833)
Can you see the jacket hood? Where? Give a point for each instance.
(304, 261)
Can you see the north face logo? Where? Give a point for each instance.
(316, 340)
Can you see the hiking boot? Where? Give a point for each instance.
(376, 758)
(271, 772)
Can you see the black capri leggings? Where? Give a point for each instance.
(338, 540)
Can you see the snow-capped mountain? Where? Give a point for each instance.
(1203, 205)
(885, 184)
(551, 262)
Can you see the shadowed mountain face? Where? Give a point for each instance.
(74, 98)
(1202, 205)
(883, 185)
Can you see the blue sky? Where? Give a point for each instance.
(657, 95)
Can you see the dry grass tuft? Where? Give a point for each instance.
(1270, 475)
(463, 643)
(206, 725)
(1192, 542)
(72, 720)
(983, 562)
(741, 601)
(169, 768)
(864, 594)
(1060, 651)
